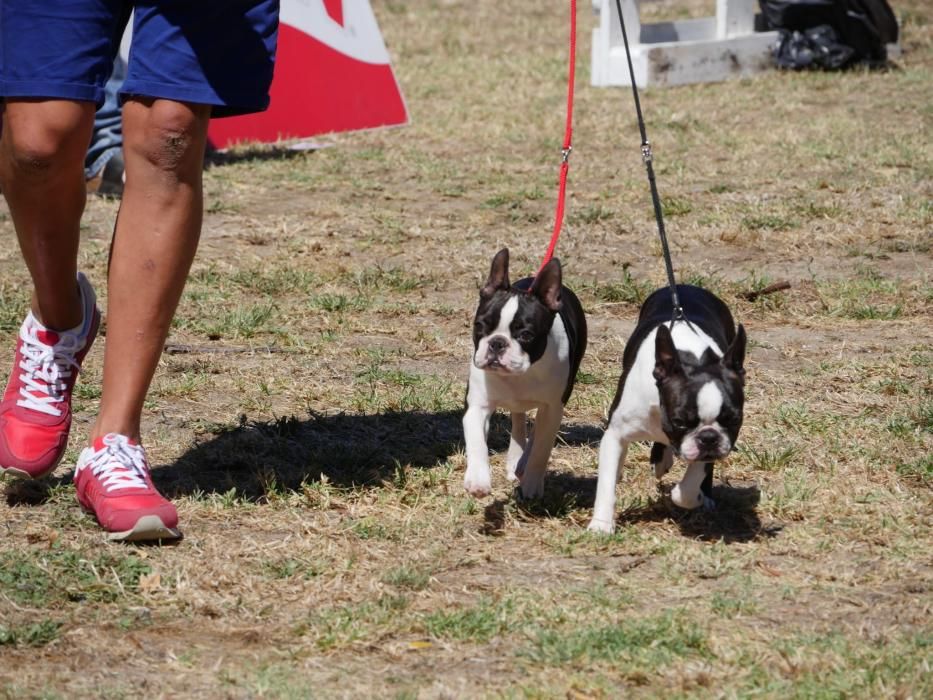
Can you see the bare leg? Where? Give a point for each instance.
(154, 244)
(42, 173)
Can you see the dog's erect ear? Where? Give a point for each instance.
(498, 275)
(666, 359)
(734, 357)
(547, 285)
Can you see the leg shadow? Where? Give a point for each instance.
(350, 450)
(734, 520)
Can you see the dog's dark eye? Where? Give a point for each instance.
(478, 328)
(678, 425)
(525, 337)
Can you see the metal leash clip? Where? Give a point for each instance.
(646, 152)
(565, 154)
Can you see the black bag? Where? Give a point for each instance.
(829, 34)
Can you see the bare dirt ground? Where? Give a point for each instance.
(307, 417)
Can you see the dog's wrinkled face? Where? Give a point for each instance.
(701, 399)
(510, 330)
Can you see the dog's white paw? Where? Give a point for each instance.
(477, 485)
(515, 468)
(688, 502)
(606, 527)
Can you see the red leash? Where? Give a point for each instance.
(567, 147)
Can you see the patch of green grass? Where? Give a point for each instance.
(811, 210)
(14, 303)
(872, 312)
(407, 576)
(729, 606)
(832, 666)
(627, 290)
(770, 460)
(245, 321)
(384, 388)
(41, 578)
(275, 281)
(339, 627)
(709, 281)
(387, 279)
(648, 643)
(289, 568)
(336, 303)
(370, 529)
(803, 420)
(478, 623)
(796, 490)
(866, 295)
(920, 468)
(87, 391)
(37, 634)
(591, 214)
(769, 222)
(674, 206)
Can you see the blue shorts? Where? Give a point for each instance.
(212, 52)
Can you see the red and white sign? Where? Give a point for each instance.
(332, 73)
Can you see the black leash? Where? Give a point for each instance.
(678, 313)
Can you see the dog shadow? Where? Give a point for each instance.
(735, 518)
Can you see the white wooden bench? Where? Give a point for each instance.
(680, 52)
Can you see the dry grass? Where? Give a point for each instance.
(330, 550)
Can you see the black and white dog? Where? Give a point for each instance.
(683, 388)
(528, 341)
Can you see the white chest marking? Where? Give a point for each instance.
(709, 403)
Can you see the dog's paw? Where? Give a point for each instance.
(663, 466)
(515, 468)
(531, 487)
(477, 486)
(605, 527)
(687, 502)
(708, 504)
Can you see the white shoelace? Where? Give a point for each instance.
(46, 369)
(118, 464)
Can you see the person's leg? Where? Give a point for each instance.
(41, 152)
(42, 149)
(154, 243)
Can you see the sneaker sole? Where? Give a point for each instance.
(147, 528)
(24, 475)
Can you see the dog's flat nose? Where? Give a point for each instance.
(498, 343)
(708, 437)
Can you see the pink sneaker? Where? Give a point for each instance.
(112, 482)
(35, 413)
